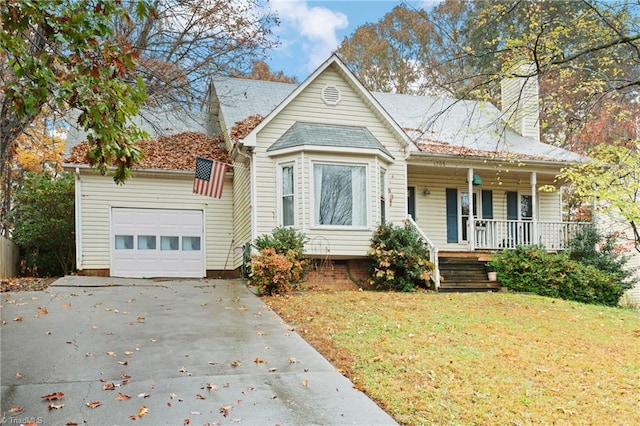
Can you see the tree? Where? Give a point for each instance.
(182, 43)
(612, 177)
(59, 54)
(44, 223)
(585, 54)
(262, 72)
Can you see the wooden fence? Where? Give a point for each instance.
(8, 258)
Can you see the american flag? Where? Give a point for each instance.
(209, 179)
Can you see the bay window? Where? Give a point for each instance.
(340, 195)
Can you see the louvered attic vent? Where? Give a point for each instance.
(331, 95)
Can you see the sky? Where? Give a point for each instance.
(310, 30)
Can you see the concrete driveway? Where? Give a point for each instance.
(164, 352)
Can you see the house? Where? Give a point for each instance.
(333, 160)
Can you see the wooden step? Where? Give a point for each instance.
(470, 286)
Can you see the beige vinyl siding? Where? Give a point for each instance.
(431, 212)
(241, 210)
(352, 111)
(100, 194)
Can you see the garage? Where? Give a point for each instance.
(148, 243)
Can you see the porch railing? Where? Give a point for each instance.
(500, 234)
(433, 251)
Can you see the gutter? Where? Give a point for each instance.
(77, 210)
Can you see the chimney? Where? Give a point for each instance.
(520, 103)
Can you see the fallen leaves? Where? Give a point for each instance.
(93, 404)
(15, 410)
(172, 152)
(53, 396)
(122, 397)
(142, 411)
(55, 406)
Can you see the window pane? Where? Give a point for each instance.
(340, 195)
(287, 211)
(169, 243)
(526, 207)
(191, 243)
(287, 180)
(146, 242)
(124, 242)
(287, 196)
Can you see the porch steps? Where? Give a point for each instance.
(464, 274)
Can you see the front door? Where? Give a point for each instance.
(464, 214)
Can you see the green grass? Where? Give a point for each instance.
(478, 358)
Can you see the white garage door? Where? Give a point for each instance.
(157, 243)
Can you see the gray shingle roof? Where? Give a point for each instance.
(459, 123)
(328, 135)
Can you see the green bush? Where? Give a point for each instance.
(43, 221)
(532, 269)
(280, 265)
(590, 247)
(399, 259)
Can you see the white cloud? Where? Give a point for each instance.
(317, 26)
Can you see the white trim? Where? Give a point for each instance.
(332, 150)
(280, 195)
(254, 213)
(78, 219)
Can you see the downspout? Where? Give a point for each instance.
(534, 202)
(254, 213)
(472, 220)
(77, 209)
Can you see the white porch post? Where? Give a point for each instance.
(471, 231)
(534, 207)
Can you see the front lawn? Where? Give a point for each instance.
(478, 358)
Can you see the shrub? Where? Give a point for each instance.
(282, 239)
(280, 264)
(590, 247)
(43, 220)
(532, 269)
(276, 273)
(399, 259)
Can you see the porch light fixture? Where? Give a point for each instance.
(426, 192)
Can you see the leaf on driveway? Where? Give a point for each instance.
(199, 396)
(108, 386)
(111, 353)
(211, 387)
(225, 410)
(259, 361)
(42, 311)
(18, 319)
(236, 363)
(94, 404)
(15, 410)
(142, 411)
(122, 397)
(53, 396)
(55, 407)
(141, 319)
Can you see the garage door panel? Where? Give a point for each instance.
(157, 243)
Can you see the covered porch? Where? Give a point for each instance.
(506, 208)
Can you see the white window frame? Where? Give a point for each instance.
(281, 195)
(383, 195)
(312, 197)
